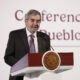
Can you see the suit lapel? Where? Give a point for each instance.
(25, 40)
(39, 42)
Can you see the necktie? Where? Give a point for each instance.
(32, 46)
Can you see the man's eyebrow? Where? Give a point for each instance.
(32, 19)
(36, 20)
(39, 20)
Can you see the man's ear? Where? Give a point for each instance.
(25, 21)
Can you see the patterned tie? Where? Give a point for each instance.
(32, 46)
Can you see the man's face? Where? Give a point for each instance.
(33, 23)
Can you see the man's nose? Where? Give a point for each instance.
(35, 23)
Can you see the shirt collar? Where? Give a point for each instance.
(28, 33)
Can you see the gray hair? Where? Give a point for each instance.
(32, 12)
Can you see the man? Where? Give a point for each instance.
(19, 40)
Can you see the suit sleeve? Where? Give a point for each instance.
(10, 50)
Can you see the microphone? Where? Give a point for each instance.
(52, 48)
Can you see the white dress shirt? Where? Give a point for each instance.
(35, 39)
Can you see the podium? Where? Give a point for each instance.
(31, 63)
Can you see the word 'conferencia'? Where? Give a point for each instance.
(51, 17)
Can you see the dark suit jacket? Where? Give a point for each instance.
(18, 46)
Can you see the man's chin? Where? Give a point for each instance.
(34, 30)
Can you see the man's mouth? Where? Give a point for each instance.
(35, 26)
